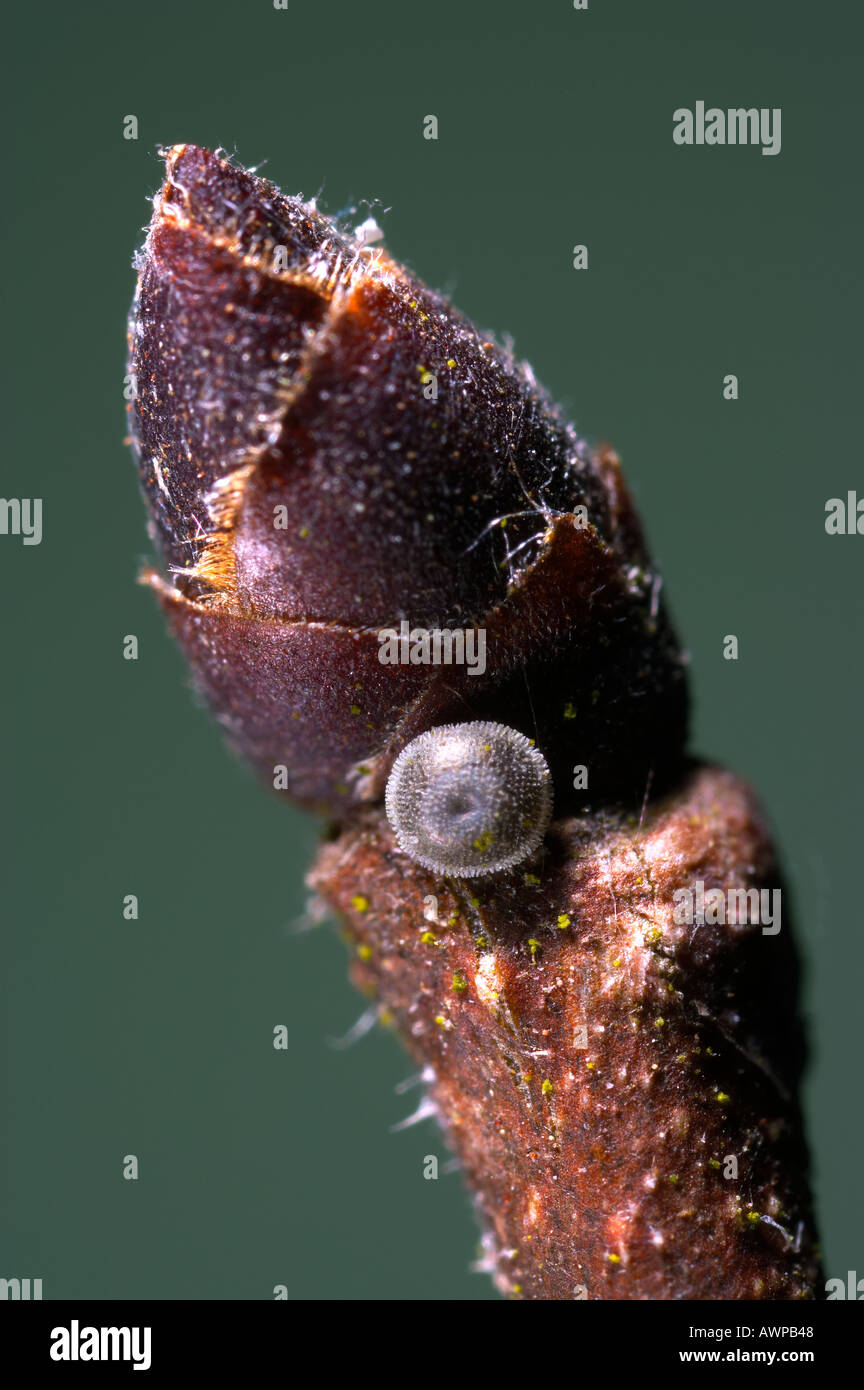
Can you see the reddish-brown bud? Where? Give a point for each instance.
(329, 450)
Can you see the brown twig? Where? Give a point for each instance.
(329, 450)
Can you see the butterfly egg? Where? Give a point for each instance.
(469, 799)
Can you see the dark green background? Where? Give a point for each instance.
(154, 1037)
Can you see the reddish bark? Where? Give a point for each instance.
(598, 1170)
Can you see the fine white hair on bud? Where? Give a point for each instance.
(469, 799)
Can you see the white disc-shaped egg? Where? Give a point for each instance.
(469, 799)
